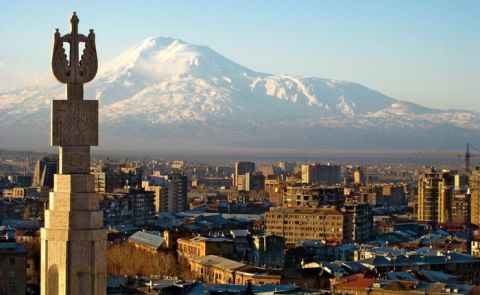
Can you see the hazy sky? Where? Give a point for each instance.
(424, 51)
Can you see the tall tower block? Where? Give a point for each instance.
(73, 249)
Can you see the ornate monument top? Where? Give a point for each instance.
(76, 70)
(74, 121)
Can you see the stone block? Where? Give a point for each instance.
(74, 122)
(73, 201)
(73, 234)
(74, 159)
(74, 183)
(57, 219)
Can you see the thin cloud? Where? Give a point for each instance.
(10, 80)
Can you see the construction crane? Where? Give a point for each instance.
(466, 156)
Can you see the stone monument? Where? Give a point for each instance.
(73, 249)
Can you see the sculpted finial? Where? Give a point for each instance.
(76, 70)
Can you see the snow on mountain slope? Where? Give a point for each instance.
(165, 87)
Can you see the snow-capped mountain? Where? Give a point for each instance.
(166, 92)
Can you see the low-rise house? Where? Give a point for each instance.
(151, 242)
(203, 246)
(219, 270)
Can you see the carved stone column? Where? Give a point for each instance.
(73, 241)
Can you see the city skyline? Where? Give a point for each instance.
(180, 169)
(421, 52)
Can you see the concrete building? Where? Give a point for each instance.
(387, 195)
(176, 194)
(13, 269)
(161, 197)
(219, 270)
(242, 168)
(321, 173)
(134, 207)
(474, 184)
(275, 189)
(359, 176)
(147, 241)
(44, 171)
(313, 196)
(358, 222)
(203, 246)
(287, 167)
(268, 251)
(295, 225)
(105, 179)
(250, 181)
(460, 208)
(170, 192)
(435, 193)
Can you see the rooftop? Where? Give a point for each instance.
(147, 239)
(220, 262)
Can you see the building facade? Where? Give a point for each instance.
(134, 207)
(474, 185)
(295, 225)
(435, 193)
(321, 173)
(242, 168)
(13, 265)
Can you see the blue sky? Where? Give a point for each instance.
(425, 51)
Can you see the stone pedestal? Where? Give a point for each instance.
(73, 239)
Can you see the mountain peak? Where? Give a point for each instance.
(157, 59)
(168, 89)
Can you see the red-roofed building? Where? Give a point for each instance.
(355, 284)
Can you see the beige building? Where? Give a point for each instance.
(435, 193)
(161, 197)
(359, 176)
(17, 192)
(326, 224)
(275, 189)
(219, 270)
(321, 173)
(203, 246)
(474, 184)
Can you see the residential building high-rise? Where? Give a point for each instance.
(321, 173)
(13, 266)
(460, 208)
(435, 193)
(105, 179)
(359, 176)
(242, 168)
(287, 167)
(474, 186)
(134, 207)
(295, 225)
(176, 193)
(275, 189)
(251, 181)
(358, 222)
(170, 192)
